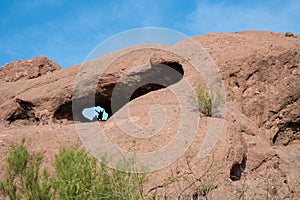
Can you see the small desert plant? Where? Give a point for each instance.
(130, 184)
(206, 185)
(187, 185)
(241, 192)
(207, 101)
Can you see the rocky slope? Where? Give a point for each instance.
(257, 153)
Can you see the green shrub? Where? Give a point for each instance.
(18, 158)
(8, 187)
(203, 100)
(207, 101)
(23, 180)
(33, 185)
(77, 176)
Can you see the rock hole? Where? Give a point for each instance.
(145, 89)
(237, 84)
(96, 113)
(64, 112)
(157, 76)
(237, 169)
(23, 111)
(287, 133)
(232, 75)
(85, 114)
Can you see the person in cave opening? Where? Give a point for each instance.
(100, 115)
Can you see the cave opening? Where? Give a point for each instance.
(144, 89)
(23, 111)
(96, 113)
(287, 132)
(113, 97)
(64, 111)
(237, 169)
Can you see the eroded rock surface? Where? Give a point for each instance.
(27, 69)
(257, 149)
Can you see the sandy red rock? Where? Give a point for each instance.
(260, 71)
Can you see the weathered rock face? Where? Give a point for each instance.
(27, 69)
(261, 74)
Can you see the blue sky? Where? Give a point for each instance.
(67, 30)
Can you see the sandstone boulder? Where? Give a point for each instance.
(27, 69)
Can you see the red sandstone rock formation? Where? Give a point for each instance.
(260, 137)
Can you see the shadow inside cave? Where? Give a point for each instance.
(132, 85)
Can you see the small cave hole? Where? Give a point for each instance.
(287, 133)
(237, 169)
(274, 139)
(64, 111)
(232, 75)
(24, 111)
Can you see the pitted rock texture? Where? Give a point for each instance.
(27, 69)
(260, 140)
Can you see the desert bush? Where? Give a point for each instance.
(23, 180)
(33, 184)
(77, 176)
(207, 101)
(18, 158)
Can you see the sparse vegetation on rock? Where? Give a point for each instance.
(207, 101)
